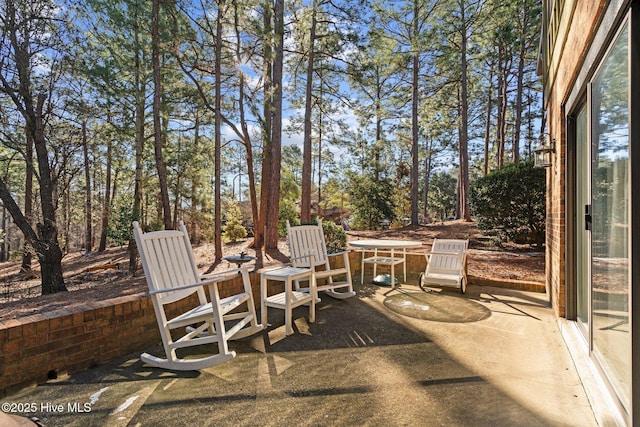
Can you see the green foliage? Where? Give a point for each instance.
(442, 195)
(510, 203)
(119, 231)
(372, 201)
(288, 206)
(288, 211)
(233, 228)
(334, 237)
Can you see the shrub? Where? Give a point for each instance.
(442, 195)
(233, 229)
(288, 212)
(510, 203)
(119, 231)
(372, 201)
(334, 237)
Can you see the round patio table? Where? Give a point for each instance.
(385, 252)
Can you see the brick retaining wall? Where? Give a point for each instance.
(39, 347)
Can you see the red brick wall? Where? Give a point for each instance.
(65, 341)
(577, 29)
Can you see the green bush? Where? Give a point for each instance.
(233, 228)
(510, 203)
(334, 237)
(288, 212)
(442, 195)
(372, 201)
(119, 231)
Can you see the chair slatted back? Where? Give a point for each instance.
(450, 245)
(307, 240)
(168, 261)
(447, 256)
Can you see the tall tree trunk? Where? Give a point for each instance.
(259, 228)
(305, 205)
(378, 144)
(136, 212)
(487, 123)
(194, 232)
(520, 77)
(66, 215)
(464, 124)
(19, 86)
(218, 135)
(414, 121)
(243, 132)
(246, 141)
(27, 253)
(273, 208)
(88, 237)
(177, 192)
(319, 159)
(427, 177)
(46, 245)
(3, 244)
(106, 208)
(157, 125)
(502, 107)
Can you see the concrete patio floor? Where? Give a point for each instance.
(493, 357)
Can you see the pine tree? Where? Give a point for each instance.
(233, 228)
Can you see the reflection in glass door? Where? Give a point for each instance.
(610, 206)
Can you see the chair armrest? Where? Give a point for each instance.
(343, 253)
(225, 272)
(416, 253)
(189, 286)
(309, 255)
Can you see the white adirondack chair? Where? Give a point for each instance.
(172, 274)
(446, 264)
(306, 240)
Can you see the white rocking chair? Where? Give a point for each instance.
(306, 240)
(446, 264)
(172, 274)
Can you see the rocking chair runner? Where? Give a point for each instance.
(306, 240)
(171, 272)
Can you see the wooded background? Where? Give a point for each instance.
(166, 110)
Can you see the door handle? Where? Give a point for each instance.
(588, 218)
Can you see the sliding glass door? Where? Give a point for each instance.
(610, 275)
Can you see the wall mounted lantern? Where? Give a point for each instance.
(543, 154)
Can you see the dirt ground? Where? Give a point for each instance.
(101, 276)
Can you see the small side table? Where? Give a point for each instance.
(290, 298)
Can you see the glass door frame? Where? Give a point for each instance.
(634, 202)
(574, 210)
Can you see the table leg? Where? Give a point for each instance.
(375, 264)
(287, 311)
(404, 261)
(313, 290)
(263, 297)
(393, 271)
